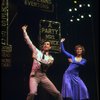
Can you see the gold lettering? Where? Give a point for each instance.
(50, 25)
(55, 42)
(4, 23)
(4, 9)
(55, 48)
(49, 30)
(5, 62)
(45, 1)
(44, 4)
(50, 36)
(4, 54)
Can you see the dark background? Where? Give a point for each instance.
(14, 79)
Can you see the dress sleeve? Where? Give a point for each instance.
(65, 52)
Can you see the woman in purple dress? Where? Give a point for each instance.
(73, 88)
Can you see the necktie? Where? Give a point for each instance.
(43, 56)
(43, 66)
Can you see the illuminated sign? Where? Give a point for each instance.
(50, 31)
(6, 49)
(46, 5)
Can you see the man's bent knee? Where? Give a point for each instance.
(30, 96)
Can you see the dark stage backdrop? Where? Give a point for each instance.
(15, 77)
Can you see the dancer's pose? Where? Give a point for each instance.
(41, 61)
(73, 88)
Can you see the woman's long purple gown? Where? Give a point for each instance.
(72, 85)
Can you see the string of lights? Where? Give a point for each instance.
(79, 10)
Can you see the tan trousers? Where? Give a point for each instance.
(41, 78)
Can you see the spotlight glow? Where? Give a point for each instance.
(71, 20)
(88, 5)
(90, 15)
(78, 19)
(72, 16)
(75, 1)
(80, 5)
(70, 10)
(75, 9)
(82, 16)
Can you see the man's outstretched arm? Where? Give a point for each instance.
(27, 39)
